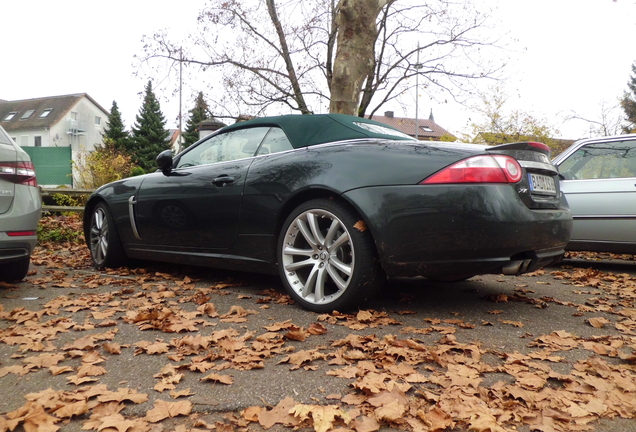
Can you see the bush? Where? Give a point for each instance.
(66, 228)
(103, 165)
(62, 199)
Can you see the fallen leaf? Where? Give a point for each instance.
(163, 410)
(223, 379)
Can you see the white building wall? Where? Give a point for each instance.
(26, 137)
(82, 133)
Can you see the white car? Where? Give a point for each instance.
(598, 178)
(20, 209)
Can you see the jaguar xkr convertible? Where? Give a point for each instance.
(336, 205)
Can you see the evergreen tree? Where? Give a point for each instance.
(149, 132)
(115, 130)
(200, 112)
(629, 103)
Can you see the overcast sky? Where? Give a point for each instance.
(568, 54)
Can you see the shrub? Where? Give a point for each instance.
(66, 228)
(103, 165)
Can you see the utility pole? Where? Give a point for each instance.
(417, 67)
(180, 98)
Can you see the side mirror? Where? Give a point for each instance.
(164, 161)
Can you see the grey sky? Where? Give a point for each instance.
(568, 54)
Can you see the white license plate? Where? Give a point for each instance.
(542, 184)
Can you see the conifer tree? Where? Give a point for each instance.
(116, 131)
(200, 112)
(149, 132)
(629, 103)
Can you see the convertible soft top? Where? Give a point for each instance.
(308, 130)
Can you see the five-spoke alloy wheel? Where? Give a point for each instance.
(103, 240)
(325, 261)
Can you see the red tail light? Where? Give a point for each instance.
(21, 233)
(18, 172)
(479, 169)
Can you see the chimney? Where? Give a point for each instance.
(388, 114)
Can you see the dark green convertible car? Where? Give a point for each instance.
(336, 205)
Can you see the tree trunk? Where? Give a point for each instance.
(355, 55)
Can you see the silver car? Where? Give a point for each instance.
(20, 208)
(598, 177)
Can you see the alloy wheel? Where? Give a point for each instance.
(318, 256)
(99, 236)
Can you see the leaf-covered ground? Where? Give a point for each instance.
(152, 349)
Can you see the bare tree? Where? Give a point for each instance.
(351, 55)
(607, 123)
(498, 124)
(355, 55)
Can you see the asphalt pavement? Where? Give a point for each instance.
(137, 330)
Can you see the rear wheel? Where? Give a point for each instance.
(325, 262)
(103, 239)
(15, 270)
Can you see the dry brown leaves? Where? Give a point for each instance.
(395, 381)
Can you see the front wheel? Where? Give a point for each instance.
(326, 263)
(103, 239)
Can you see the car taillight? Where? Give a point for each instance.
(479, 169)
(18, 172)
(21, 233)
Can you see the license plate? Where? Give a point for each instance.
(542, 184)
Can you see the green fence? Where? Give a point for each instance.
(52, 165)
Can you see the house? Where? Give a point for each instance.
(209, 126)
(427, 129)
(75, 120)
(53, 130)
(175, 140)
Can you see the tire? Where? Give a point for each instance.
(103, 240)
(15, 270)
(325, 262)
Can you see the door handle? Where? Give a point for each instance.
(223, 180)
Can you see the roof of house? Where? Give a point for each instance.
(59, 106)
(173, 136)
(428, 129)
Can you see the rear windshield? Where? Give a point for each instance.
(371, 127)
(5, 139)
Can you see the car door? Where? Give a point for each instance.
(599, 181)
(198, 205)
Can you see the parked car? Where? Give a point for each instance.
(20, 209)
(598, 177)
(336, 204)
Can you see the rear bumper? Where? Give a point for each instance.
(449, 230)
(23, 215)
(15, 250)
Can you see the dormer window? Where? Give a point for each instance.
(10, 115)
(46, 112)
(27, 114)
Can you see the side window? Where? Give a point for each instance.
(224, 147)
(601, 161)
(276, 141)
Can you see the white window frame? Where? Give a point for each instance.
(10, 116)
